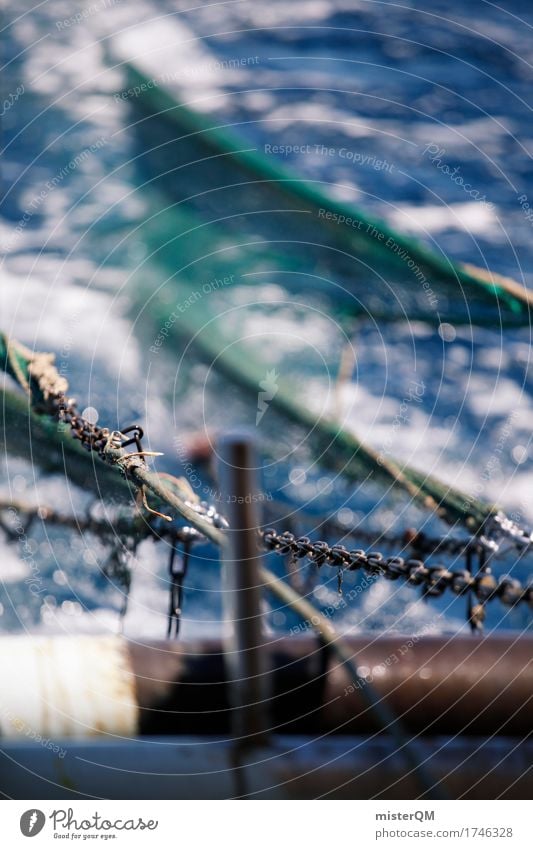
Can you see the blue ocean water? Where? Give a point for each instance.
(420, 115)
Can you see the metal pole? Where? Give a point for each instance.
(241, 565)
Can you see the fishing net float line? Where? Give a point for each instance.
(47, 392)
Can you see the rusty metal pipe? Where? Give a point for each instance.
(437, 685)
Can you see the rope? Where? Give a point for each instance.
(433, 580)
(336, 448)
(124, 523)
(47, 390)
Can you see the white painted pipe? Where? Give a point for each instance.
(75, 686)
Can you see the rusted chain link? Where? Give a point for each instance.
(123, 524)
(47, 390)
(410, 538)
(52, 397)
(499, 528)
(496, 530)
(434, 580)
(36, 371)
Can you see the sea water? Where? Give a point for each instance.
(421, 118)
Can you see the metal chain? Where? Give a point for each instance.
(499, 528)
(95, 438)
(434, 580)
(92, 437)
(409, 538)
(55, 401)
(177, 569)
(208, 511)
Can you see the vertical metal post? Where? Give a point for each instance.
(245, 654)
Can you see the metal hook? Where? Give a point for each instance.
(135, 439)
(476, 611)
(177, 571)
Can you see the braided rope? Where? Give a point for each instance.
(47, 390)
(37, 372)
